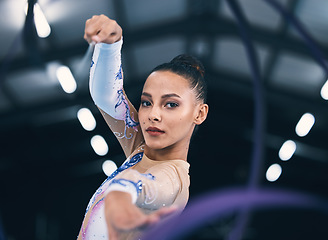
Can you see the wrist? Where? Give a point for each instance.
(109, 46)
(125, 186)
(119, 196)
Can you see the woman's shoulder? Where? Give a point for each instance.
(179, 163)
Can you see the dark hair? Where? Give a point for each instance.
(191, 69)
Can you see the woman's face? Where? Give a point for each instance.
(167, 111)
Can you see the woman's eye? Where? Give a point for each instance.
(145, 103)
(172, 105)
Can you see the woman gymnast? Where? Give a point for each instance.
(154, 180)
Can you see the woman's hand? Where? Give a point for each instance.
(100, 28)
(123, 216)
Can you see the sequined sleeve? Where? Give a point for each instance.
(106, 89)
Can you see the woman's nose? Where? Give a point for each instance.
(155, 115)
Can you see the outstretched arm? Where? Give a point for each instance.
(154, 191)
(123, 216)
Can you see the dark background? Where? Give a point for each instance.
(48, 170)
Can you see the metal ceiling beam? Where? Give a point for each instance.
(205, 25)
(282, 34)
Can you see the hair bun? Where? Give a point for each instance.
(189, 61)
(191, 69)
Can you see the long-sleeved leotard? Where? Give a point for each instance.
(152, 184)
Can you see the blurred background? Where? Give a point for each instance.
(55, 146)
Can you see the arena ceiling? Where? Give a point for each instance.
(48, 169)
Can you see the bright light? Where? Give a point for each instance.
(66, 79)
(86, 119)
(273, 172)
(109, 167)
(41, 24)
(287, 150)
(99, 145)
(305, 124)
(324, 91)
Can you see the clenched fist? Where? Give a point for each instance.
(100, 28)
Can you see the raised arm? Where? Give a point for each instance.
(106, 81)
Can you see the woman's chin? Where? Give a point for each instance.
(155, 145)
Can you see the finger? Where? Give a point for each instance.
(93, 26)
(87, 38)
(101, 36)
(86, 31)
(148, 221)
(156, 216)
(165, 211)
(110, 32)
(112, 233)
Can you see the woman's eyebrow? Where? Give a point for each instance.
(146, 94)
(171, 95)
(164, 96)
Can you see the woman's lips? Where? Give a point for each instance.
(153, 131)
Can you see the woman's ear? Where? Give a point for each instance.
(201, 114)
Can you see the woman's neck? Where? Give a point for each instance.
(169, 153)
